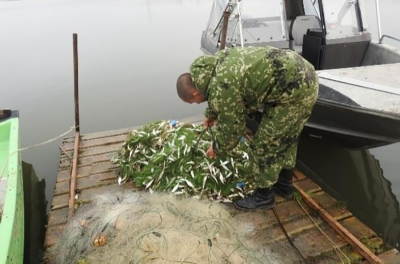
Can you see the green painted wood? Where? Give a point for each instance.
(12, 221)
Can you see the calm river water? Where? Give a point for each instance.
(130, 53)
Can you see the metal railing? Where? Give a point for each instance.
(389, 37)
(378, 18)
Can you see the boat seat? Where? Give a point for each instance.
(334, 53)
(299, 27)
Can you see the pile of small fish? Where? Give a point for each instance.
(169, 156)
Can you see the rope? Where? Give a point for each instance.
(335, 247)
(33, 146)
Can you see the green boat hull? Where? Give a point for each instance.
(12, 220)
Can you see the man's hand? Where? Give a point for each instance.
(211, 153)
(208, 122)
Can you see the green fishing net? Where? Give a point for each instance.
(172, 158)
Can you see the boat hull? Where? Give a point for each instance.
(353, 127)
(12, 221)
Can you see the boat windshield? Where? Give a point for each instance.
(263, 21)
(341, 18)
(311, 8)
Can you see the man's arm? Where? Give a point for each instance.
(210, 114)
(231, 118)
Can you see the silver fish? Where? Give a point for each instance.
(149, 184)
(175, 188)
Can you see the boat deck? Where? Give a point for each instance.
(373, 87)
(386, 75)
(311, 236)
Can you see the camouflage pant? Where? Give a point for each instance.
(274, 146)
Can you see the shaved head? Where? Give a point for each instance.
(185, 87)
(187, 91)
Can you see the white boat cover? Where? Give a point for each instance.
(375, 87)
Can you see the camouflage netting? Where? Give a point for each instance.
(160, 228)
(170, 158)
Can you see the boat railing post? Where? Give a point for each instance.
(240, 23)
(378, 18)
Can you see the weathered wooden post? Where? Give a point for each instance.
(224, 29)
(74, 170)
(76, 83)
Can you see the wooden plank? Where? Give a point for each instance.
(62, 188)
(102, 134)
(53, 233)
(96, 142)
(363, 250)
(295, 220)
(336, 256)
(389, 257)
(301, 225)
(88, 194)
(197, 120)
(336, 209)
(279, 200)
(58, 217)
(97, 150)
(84, 171)
(290, 211)
(59, 201)
(298, 175)
(100, 150)
(282, 251)
(312, 243)
(97, 180)
(357, 228)
(252, 221)
(86, 182)
(84, 161)
(308, 186)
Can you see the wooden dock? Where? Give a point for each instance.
(293, 224)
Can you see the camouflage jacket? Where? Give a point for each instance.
(239, 81)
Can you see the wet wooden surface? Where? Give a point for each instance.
(312, 238)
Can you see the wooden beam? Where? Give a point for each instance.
(72, 187)
(341, 230)
(298, 175)
(76, 81)
(224, 32)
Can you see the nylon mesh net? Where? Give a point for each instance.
(140, 228)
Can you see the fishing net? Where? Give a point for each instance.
(173, 158)
(159, 228)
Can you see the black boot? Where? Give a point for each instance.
(284, 185)
(260, 199)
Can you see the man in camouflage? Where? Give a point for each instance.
(237, 82)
